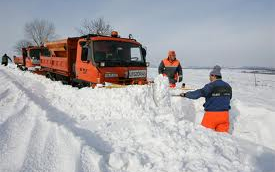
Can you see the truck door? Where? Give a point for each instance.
(85, 70)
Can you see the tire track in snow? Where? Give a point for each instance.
(94, 142)
(11, 105)
(14, 140)
(4, 94)
(35, 149)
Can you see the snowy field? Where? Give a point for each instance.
(47, 126)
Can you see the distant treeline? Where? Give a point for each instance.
(268, 72)
(249, 69)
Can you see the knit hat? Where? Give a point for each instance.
(171, 53)
(216, 71)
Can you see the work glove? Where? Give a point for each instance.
(183, 94)
(180, 78)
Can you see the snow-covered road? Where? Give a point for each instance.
(47, 126)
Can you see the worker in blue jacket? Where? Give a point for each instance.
(217, 95)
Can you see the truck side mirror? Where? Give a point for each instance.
(147, 64)
(143, 52)
(82, 43)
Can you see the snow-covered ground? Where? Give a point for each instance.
(253, 107)
(47, 126)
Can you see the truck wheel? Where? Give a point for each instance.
(51, 76)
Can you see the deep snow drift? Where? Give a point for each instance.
(46, 126)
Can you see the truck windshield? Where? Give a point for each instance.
(34, 54)
(115, 53)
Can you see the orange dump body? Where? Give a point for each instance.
(30, 58)
(63, 55)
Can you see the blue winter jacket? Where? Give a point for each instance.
(217, 95)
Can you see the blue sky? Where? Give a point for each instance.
(202, 32)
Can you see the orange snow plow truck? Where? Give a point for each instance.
(96, 60)
(30, 59)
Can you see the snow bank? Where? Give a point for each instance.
(161, 91)
(253, 107)
(46, 126)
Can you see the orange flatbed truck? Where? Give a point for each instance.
(93, 60)
(30, 59)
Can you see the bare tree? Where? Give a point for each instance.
(96, 26)
(40, 31)
(21, 44)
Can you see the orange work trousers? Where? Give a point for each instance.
(218, 121)
(172, 85)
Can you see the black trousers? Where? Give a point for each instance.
(5, 63)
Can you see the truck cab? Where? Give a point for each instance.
(30, 59)
(102, 59)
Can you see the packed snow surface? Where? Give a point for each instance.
(47, 126)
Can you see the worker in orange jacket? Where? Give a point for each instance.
(217, 95)
(171, 68)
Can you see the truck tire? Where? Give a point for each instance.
(51, 76)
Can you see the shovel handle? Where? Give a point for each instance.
(175, 95)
